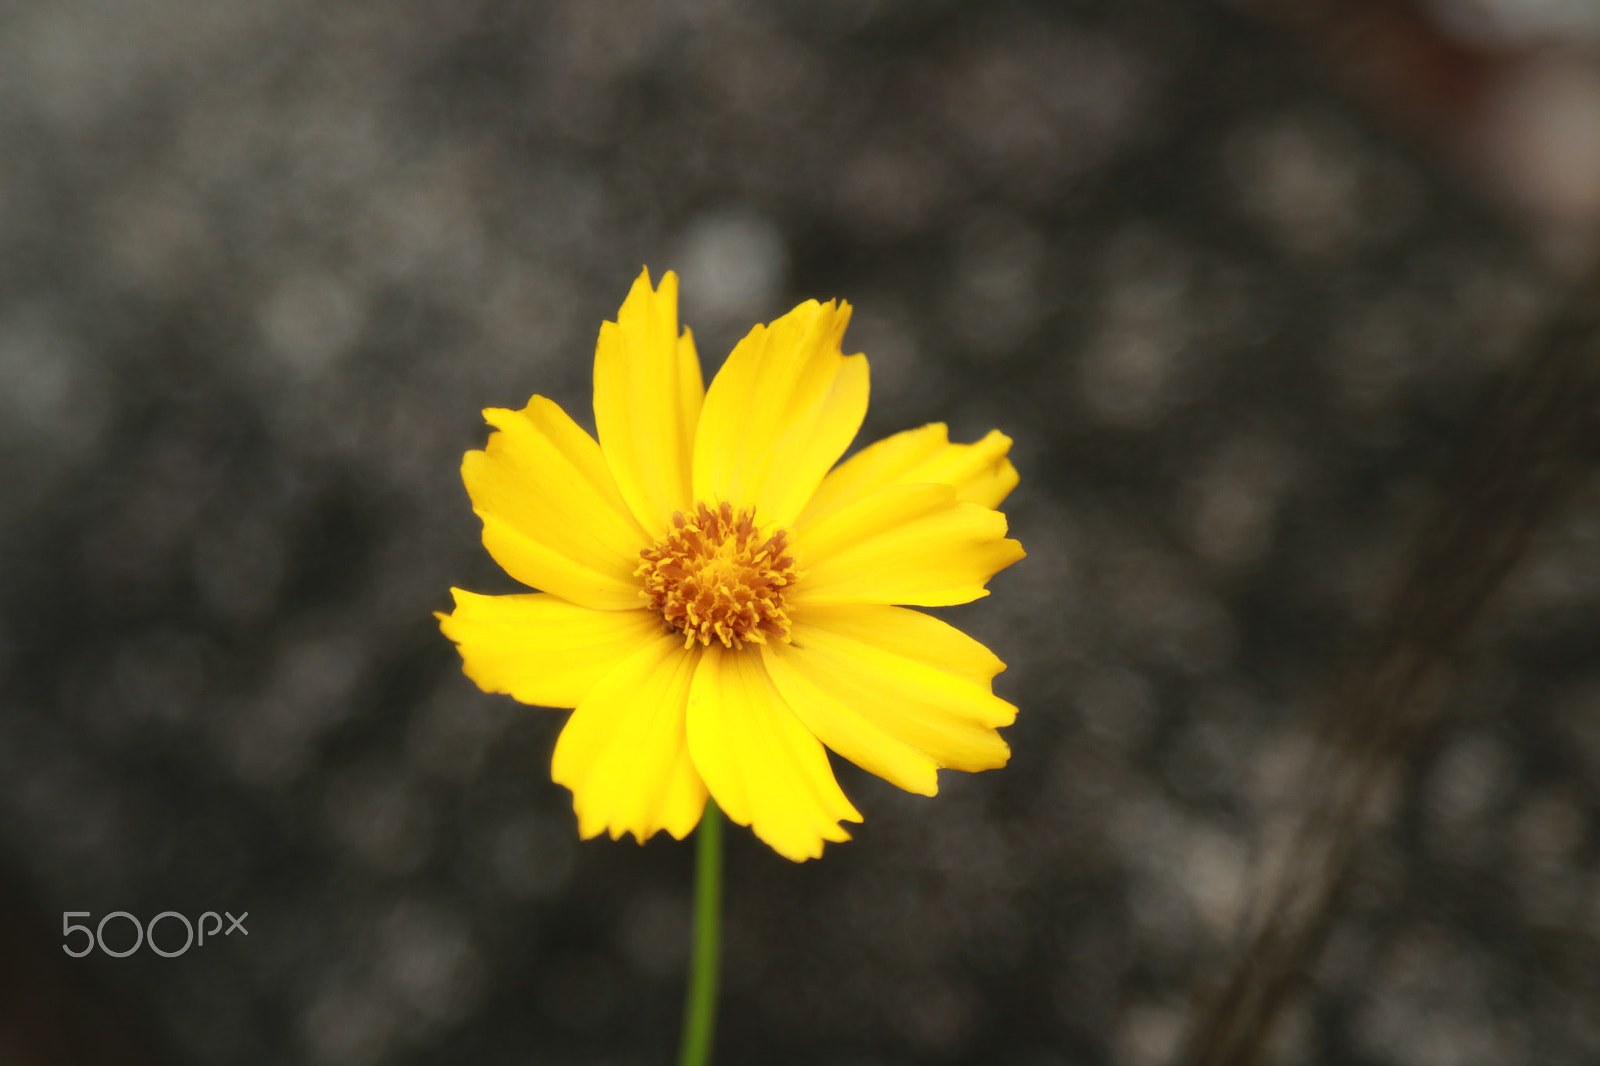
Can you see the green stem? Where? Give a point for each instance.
(700, 1009)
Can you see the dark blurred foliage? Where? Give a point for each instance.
(263, 264)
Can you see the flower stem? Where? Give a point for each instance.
(700, 1008)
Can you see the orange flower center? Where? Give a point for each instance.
(714, 577)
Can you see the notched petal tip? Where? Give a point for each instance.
(677, 828)
(779, 413)
(978, 473)
(647, 398)
(897, 692)
(798, 853)
(760, 763)
(623, 751)
(913, 544)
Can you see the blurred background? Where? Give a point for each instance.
(1238, 279)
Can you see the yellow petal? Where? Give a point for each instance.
(899, 715)
(763, 767)
(552, 516)
(539, 648)
(821, 708)
(980, 473)
(908, 544)
(911, 634)
(623, 752)
(779, 413)
(647, 396)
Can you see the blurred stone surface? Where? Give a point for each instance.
(262, 264)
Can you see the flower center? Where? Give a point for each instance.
(714, 577)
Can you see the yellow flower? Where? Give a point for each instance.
(717, 603)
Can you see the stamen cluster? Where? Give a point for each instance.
(713, 577)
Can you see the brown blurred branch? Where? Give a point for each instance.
(1536, 441)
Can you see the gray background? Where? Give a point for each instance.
(262, 264)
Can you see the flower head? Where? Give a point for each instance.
(719, 601)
